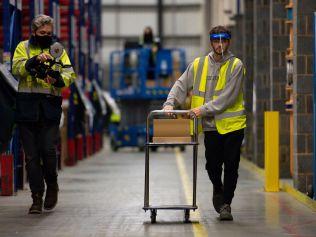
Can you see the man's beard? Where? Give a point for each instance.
(221, 52)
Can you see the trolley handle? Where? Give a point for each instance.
(173, 114)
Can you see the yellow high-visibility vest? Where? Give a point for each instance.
(234, 117)
(29, 84)
(115, 118)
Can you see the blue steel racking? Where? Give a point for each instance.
(88, 29)
(77, 30)
(94, 32)
(10, 19)
(12, 32)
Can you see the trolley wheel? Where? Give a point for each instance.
(114, 146)
(187, 216)
(182, 148)
(153, 215)
(141, 148)
(154, 148)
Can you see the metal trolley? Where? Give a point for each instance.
(150, 143)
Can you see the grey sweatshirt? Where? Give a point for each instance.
(184, 84)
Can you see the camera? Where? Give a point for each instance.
(43, 69)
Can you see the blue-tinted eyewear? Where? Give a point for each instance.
(218, 36)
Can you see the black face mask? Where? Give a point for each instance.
(148, 38)
(43, 41)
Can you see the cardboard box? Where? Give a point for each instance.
(171, 130)
(171, 127)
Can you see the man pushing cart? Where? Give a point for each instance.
(216, 83)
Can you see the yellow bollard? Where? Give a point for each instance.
(271, 151)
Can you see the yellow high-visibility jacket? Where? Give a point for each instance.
(36, 98)
(27, 83)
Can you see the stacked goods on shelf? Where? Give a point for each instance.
(26, 18)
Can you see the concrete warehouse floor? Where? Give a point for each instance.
(103, 196)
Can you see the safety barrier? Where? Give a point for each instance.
(271, 151)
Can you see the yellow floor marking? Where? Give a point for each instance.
(198, 228)
(253, 168)
(298, 195)
(301, 197)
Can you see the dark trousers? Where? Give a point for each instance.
(219, 150)
(39, 142)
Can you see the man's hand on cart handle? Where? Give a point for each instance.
(167, 108)
(196, 111)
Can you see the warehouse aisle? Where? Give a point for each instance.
(103, 196)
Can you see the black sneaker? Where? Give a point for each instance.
(218, 199)
(51, 197)
(225, 213)
(37, 205)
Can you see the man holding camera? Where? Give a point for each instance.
(38, 108)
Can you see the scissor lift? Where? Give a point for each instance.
(139, 87)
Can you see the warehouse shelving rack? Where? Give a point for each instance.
(76, 27)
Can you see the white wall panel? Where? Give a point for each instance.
(109, 2)
(125, 23)
(133, 23)
(106, 51)
(222, 11)
(183, 23)
(109, 23)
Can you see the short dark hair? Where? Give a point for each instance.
(220, 29)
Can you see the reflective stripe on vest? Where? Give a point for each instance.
(200, 68)
(48, 91)
(27, 48)
(233, 118)
(230, 114)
